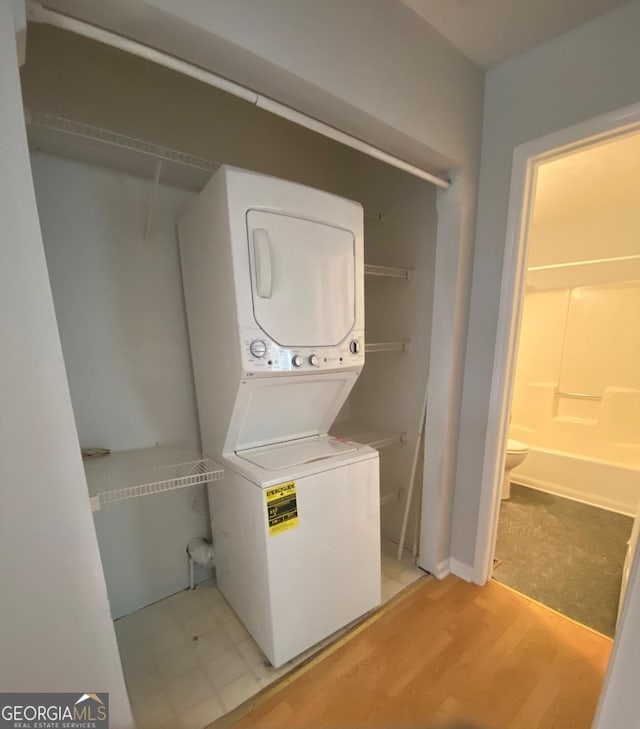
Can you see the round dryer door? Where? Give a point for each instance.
(302, 279)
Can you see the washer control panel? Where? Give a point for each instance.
(258, 348)
(261, 355)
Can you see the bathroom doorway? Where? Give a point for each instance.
(571, 382)
(574, 434)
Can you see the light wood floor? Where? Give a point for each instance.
(449, 651)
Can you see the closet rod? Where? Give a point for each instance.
(37, 13)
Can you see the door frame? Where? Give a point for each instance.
(526, 160)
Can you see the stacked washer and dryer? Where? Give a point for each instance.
(273, 275)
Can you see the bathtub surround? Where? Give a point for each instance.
(577, 393)
(566, 555)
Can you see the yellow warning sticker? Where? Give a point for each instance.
(282, 507)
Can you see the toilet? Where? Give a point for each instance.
(516, 453)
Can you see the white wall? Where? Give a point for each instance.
(119, 302)
(120, 312)
(55, 630)
(377, 70)
(390, 391)
(575, 77)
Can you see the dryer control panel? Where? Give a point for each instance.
(261, 355)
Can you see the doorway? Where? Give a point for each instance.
(572, 463)
(570, 264)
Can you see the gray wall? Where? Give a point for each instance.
(120, 314)
(55, 631)
(577, 76)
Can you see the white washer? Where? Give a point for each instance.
(298, 545)
(274, 286)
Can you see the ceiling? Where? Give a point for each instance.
(490, 31)
(603, 177)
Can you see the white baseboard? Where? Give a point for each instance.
(461, 570)
(443, 569)
(602, 502)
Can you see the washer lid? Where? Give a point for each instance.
(516, 446)
(287, 455)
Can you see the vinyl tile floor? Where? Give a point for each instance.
(564, 554)
(188, 660)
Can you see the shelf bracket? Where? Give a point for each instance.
(152, 199)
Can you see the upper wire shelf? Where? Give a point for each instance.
(129, 474)
(387, 272)
(115, 139)
(390, 496)
(105, 147)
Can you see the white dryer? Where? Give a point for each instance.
(274, 287)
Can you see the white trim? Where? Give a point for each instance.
(462, 570)
(39, 14)
(448, 329)
(443, 569)
(581, 497)
(526, 159)
(20, 25)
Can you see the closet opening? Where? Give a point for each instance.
(119, 148)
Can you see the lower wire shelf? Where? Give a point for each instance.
(365, 436)
(386, 347)
(130, 474)
(389, 496)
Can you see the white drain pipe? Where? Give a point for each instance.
(200, 552)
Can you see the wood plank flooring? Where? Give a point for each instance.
(448, 651)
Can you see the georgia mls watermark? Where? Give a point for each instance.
(54, 711)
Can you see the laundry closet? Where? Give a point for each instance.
(119, 148)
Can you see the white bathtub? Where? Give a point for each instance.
(601, 483)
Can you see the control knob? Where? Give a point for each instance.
(258, 348)
(313, 360)
(296, 360)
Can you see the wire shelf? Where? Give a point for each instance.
(391, 496)
(374, 438)
(118, 151)
(387, 272)
(141, 472)
(115, 139)
(106, 148)
(386, 347)
(376, 217)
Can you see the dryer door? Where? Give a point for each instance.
(302, 279)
